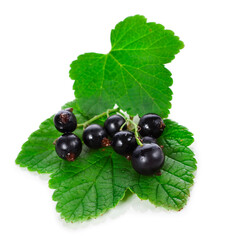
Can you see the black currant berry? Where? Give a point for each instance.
(148, 139)
(68, 146)
(124, 142)
(65, 121)
(95, 136)
(113, 124)
(151, 125)
(147, 159)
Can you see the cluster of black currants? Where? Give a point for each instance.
(145, 154)
(148, 157)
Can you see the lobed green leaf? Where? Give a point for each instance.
(97, 181)
(132, 74)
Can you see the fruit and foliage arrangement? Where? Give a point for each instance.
(115, 136)
(146, 156)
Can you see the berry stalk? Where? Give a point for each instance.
(85, 124)
(135, 129)
(121, 128)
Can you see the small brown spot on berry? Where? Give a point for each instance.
(158, 173)
(128, 157)
(162, 125)
(70, 157)
(64, 118)
(69, 109)
(106, 142)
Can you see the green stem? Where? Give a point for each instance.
(108, 112)
(135, 131)
(97, 117)
(121, 128)
(135, 128)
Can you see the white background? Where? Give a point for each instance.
(39, 40)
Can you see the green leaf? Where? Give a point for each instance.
(38, 153)
(132, 74)
(91, 185)
(174, 131)
(97, 181)
(171, 189)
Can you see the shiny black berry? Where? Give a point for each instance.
(113, 124)
(65, 121)
(147, 159)
(68, 146)
(148, 139)
(95, 136)
(124, 142)
(151, 125)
